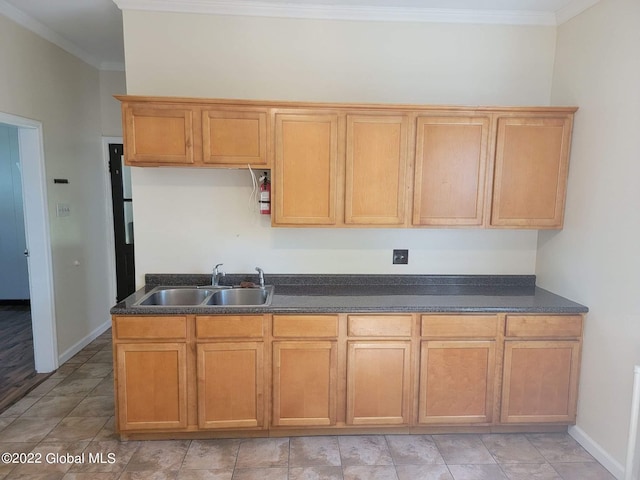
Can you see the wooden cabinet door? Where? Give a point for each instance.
(531, 167)
(456, 381)
(306, 156)
(450, 170)
(158, 135)
(376, 165)
(378, 382)
(230, 385)
(540, 383)
(234, 138)
(304, 383)
(151, 386)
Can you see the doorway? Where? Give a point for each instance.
(38, 241)
(122, 202)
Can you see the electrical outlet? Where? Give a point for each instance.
(401, 257)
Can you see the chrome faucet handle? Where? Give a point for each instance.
(217, 273)
(260, 276)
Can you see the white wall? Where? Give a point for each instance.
(188, 220)
(112, 83)
(43, 82)
(595, 260)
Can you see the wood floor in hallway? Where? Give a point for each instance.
(17, 369)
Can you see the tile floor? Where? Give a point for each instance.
(67, 422)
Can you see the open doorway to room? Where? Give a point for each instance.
(27, 318)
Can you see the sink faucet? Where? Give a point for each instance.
(217, 275)
(260, 276)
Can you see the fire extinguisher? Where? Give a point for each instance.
(265, 195)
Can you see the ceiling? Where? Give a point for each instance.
(92, 29)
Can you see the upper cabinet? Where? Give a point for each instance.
(531, 167)
(376, 166)
(306, 162)
(181, 132)
(358, 165)
(450, 170)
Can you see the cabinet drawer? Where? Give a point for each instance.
(150, 328)
(544, 326)
(459, 326)
(305, 326)
(379, 325)
(229, 326)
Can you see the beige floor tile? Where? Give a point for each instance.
(45, 387)
(314, 451)
(463, 449)
(512, 448)
(104, 388)
(582, 471)
(559, 448)
(92, 370)
(320, 472)
(101, 406)
(369, 472)
(477, 472)
(74, 387)
(211, 455)
(76, 429)
(150, 475)
(64, 371)
(52, 407)
(158, 456)
(103, 356)
(6, 421)
(263, 452)
(91, 476)
(413, 449)
(13, 448)
(273, 473)
(80, 357)
(108, 432)
(423, 472)
(523, 471)
(364, 450)
(216, 474)
(19, 407)
(28, 429)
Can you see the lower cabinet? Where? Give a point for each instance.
(540, 381)
(304, 383)
(230, 384)
(456, 381)
(378, 382)
(151, 385)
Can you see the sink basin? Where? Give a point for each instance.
(207, 296)
(241, 296)
(177, 297)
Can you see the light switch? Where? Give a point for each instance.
(63, 210)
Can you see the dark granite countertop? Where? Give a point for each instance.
(370, 294)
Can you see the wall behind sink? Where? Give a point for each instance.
(188, 220)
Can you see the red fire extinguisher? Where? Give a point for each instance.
(265, 195)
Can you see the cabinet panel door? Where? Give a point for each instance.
(230, 385)
(532, 161)
(376, 163)
(456, 381)
(234, 137)
(304, 383)
(158, 135)
(152, 386)
(540, 381)
(378, 383)
(306, 154)
(450, 170)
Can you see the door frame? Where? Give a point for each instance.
(111, 241)
(38, 237)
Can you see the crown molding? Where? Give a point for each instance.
(45, 32)
(572, 9)
(343, 12)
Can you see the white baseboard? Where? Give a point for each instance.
(606, 460)
(79, 345)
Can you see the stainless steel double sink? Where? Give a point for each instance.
(208, 296)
